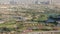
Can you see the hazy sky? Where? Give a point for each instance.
(28, 1)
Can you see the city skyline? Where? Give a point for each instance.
(27, 1)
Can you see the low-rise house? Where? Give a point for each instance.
(19, 18)
(1, 21)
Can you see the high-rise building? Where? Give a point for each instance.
(36, 2)
(13, 2)
(42, 2)
(29, 1)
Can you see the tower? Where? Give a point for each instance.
(51, 1)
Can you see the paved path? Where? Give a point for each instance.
(44, 32)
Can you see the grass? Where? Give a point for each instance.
(7, 24)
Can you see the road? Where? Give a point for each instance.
(44, 32)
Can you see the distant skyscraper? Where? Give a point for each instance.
(36, 2)
(45, 2)
(28, 1)
(42, 2)
(13, 2)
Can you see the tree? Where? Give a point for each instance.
(42, 17)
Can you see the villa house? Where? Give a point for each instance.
(50, 20)
(54, 19)
(58, 20)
